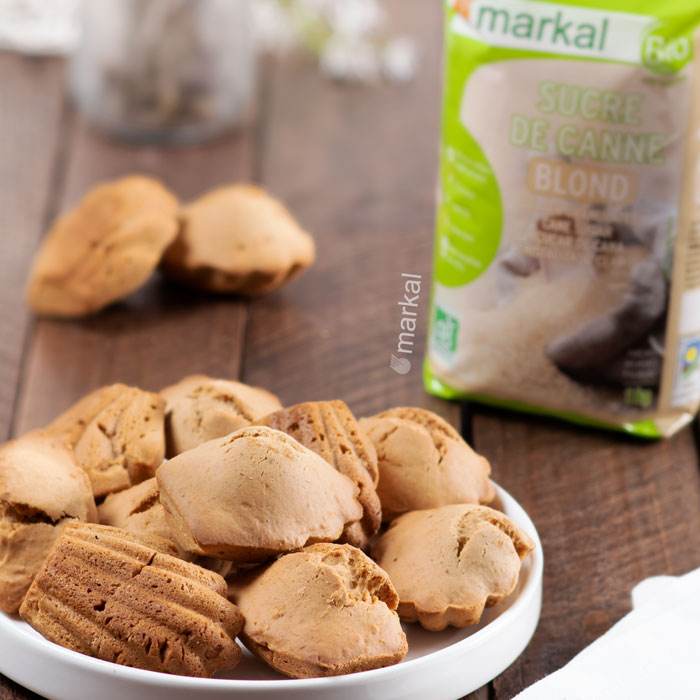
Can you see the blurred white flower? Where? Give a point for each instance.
(348, 36)
(354, 18)
(349, 59)
(39, 26)
(271, 26)
(317, 7)
(400, 59)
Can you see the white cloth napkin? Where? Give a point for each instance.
(653, 653)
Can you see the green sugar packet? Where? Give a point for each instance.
(566, 274)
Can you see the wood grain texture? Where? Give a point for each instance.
(357, 166)
(162, 332)
(9, 690)
(30, 115)
(610, 510)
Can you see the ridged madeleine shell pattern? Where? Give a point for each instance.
(118, 436)
(329, 429)
(113, 595)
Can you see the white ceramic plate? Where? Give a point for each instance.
(440, 665)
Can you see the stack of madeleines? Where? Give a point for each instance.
(236, 239)
(263, 523)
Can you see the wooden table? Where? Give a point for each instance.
(357, 165)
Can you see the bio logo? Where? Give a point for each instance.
(664, 51)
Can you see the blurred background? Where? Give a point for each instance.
(174, 71)
(331, 105)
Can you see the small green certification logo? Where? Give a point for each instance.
(665, 48)
(445, 330)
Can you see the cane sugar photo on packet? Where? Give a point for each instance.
(567, 250)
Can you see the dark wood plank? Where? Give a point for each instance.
(484, 693)
(611, 511)
(163, 331)
(9, 690)
(30, 116)
(30, 119)
(357, 166)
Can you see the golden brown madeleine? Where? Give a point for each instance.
(174, 392)
(138, 510)
(42, 487)
(449, 563)
(324, 611)
(254, 494)
(113, 595)
(117, 433)
(104, 248)
(331, 431)
(238, 239)
(199, 408)
(424, 462)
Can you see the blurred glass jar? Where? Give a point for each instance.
(165, 71)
